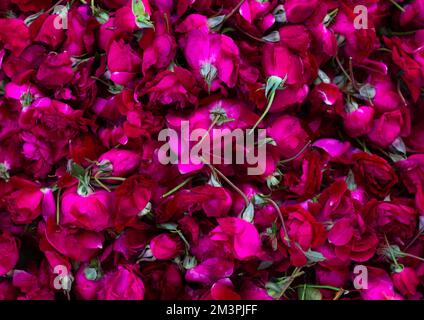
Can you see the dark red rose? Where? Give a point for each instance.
(374, 173)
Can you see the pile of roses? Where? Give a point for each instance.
(87, 210)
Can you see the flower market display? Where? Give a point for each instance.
(115, 183)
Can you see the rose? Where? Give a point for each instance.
(119, 162)
(80, 33)
(387, 128)
(289, 135)
(122, 284)
(90, 212)
(173, 87)
(216, 62)
(210, 270)
(15, 35)
(9, 253)
(298, 11)
(240, 236)
(166, 246)
(396, 219)
(25, 202)
(87, 284)
(123, 62)
(55, 70)
(303, 228)
(406, 281)
(23, 67)
(131, 198)
(380, 286)
(413, 14)
(352, 240)
(305, 182)
(359, 122)
(44, 31)
(374, 174)
(160, 50)
(304, 233)
(77, 244)
(141, 124)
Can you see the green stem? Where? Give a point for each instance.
(342, 68)
(352, 75)
(296, 273)
(101, 184)
(320, 287)
(112, 178)
(214, 122)
(236, 8)
(270, 102)
(391, 253)
(177, 187)
(384, 49)
(275, 205)
(405, 33)
(412, 256)
(297, 155)
(420, 232)
(397, 5)
(58, 207)
(213, 169)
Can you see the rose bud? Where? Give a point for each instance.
(358, 122)
(45, 30)
(90, 212)
(120, 163)
(210, 271)
(406, 281)
(177, 87)
(166, 246)
(387, 128)
(87, 284)
(123, 62)
(9, 253)
(239, 236)
(122, 284)
(25, 203)
(289, 135)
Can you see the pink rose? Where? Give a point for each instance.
(122, 284)
(166, 246)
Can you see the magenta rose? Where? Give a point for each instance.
(90, 212)
(406, 281)
(120, 163)
(56, 70)
(166, 246)
(122, 284)
(123, 62)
